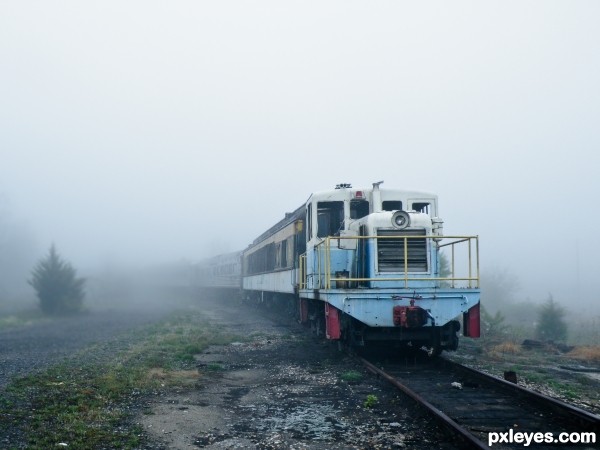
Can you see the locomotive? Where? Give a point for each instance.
(365, 266)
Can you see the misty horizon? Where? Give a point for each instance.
(136, 134)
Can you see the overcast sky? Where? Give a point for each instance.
(146, 131)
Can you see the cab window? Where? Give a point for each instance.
(359, 208)
(391, 205)
(421, 207)
(330, 218)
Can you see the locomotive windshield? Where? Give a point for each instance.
(391, 205)
(421, 207)
(359, 208)
(330, 218)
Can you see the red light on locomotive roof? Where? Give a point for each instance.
(358, 194)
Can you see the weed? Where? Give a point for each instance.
(371, 401)
(215, 367)
(352, 376)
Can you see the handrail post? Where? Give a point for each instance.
(302, 263)
(477, 255)
(405, 262)
(470, 266)
(453, 262)
(328, 263)
(319, 266)
(305, 274)
(299, 272)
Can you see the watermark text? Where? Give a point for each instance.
(519, 437)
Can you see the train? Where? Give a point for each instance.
(362, 266)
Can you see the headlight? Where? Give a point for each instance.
(401, 219)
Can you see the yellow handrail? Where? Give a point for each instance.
(325, 246)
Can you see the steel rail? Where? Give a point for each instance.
(470, 440)
(562, 411)
(587, 420)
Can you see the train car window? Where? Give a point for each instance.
(421, 207)
(262, 260)
(283, 254)
(330, 218)
(278, 261)
(391, 205)
(359, 208)
(271, 257)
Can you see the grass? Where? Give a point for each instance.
(87, 405)
(586, 353)
(215, 367)
(506, 347)
(352, 376)
(21, 318)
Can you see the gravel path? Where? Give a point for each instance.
(30, 348)
(281, 388)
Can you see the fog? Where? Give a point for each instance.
(139, 133)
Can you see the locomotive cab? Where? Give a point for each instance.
(341, 209)
(373, 226)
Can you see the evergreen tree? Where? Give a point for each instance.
(56, 284)
(551, 322)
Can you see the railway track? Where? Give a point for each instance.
(472, 404)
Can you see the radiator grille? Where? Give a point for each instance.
(390, 252)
